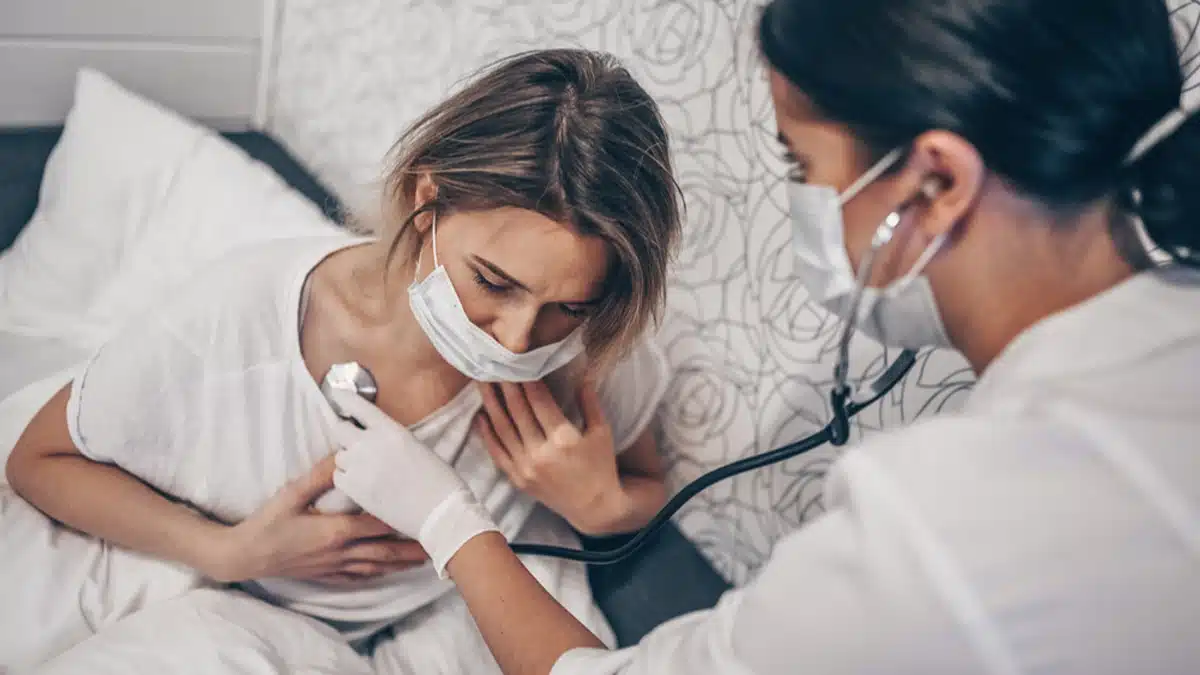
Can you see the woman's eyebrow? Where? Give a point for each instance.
(494, 269)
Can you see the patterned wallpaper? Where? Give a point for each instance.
(752, 358)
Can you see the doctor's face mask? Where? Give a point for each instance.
(903, 313)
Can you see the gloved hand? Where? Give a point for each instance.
(397, 479)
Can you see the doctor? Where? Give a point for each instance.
(982, 163)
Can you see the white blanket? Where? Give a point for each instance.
(146, 620)
(89, 607)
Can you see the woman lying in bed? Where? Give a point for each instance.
(534, 212)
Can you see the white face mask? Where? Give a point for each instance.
(903, 313)
(469, 348)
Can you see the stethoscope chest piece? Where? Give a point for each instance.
(351, 377)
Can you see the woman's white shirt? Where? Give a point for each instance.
(207, 398)
(1051, 526)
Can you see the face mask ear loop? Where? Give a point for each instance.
(919, 266)
(872, 173)
(434, 228)
(417, 272)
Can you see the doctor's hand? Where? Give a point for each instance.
(287, 538)
(572, 470)
(396, 478)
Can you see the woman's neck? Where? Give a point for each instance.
(360, 313)
(1043, 270)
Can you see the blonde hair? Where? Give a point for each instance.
(566, 133)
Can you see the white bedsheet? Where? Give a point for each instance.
(213, 631)
(89, 607)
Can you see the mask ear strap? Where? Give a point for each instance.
(417, 271)
(434, 227)
(871, 174)
(929, 190)
(934, 247)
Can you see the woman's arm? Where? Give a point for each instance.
(48, 471)
(283, 538)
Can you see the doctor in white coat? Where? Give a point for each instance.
(981, 166)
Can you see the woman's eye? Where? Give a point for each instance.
(574, 311)
(488, 285)
(797, 172)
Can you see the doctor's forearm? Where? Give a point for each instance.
(524, 626)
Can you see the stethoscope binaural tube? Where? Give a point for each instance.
(836, 432)
(356, 378)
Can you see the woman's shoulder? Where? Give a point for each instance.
(250, 275)
(248, 290)
(270, 264)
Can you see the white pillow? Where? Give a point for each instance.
(134, 198)
(220, 199)
(133, 201)
(115, 160)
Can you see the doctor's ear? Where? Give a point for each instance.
(426, 191)
(952, 178)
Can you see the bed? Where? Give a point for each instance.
(194, 168)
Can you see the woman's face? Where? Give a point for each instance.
(823, 153)
(525, 279)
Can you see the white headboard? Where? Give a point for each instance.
(208, 59)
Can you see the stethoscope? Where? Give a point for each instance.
(843, 401)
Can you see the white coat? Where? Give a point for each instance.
(1050, 527)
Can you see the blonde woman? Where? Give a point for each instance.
(532, 215)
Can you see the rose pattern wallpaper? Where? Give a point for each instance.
(751, 357)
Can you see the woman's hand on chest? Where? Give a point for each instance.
(570, 468)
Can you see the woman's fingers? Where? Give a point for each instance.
(499, 420)
(386, 554)
(520, 412)
(386, 551)
(342, 530)
(495, 448)
(303, 491)
(364, 570)
(370, 570)
(591, 407)
(339, 579)
(545, 409)
(354, 574)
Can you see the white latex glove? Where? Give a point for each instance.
(397, 479)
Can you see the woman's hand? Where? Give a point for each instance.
(391, 474)
(571, 470)
(287, 538)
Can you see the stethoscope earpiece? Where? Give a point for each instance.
(932, 187)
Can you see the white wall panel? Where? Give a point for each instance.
(203, 58)
(216, 85)
(239, 20)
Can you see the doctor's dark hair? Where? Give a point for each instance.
(1053, 94)
(571, 135)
